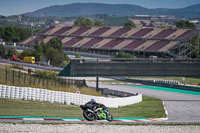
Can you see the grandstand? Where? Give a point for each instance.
(140, 41)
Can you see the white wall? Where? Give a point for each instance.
(27, 93)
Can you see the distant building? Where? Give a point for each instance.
(154, 21)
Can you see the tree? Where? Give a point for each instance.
(129, 24)
(23, 33)
(87, 22)
(10, 34)
(78, 56)
(51, 53)
(163, 27)
(14, 34)
(98, 23)
(10, 52)
(56, 58)
(83, 22)
(56, 44)
(2, 51)
(122, 54)
(27, 52)
(185, 24)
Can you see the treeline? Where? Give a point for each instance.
(185, 25)
(87, 22)
(14, 34)
(51, 51)
(7, 52)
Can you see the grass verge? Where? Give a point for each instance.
(148, 108)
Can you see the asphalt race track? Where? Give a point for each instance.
(181, 107)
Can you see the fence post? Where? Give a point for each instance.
(30, 79)
(51, 81)
(69, 81)
(43, 81)
(34, 79)
(39, 81)
(13, 78)
(24, 78)
(55, 82)
(6, 75)
(19, 76)
(47, 82)
(65, 82)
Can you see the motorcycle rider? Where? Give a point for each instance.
(92, 105)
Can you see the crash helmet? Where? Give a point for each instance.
(92, 101)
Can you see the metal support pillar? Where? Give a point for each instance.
(97, 83)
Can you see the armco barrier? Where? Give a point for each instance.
(164, 83)
(27, 93)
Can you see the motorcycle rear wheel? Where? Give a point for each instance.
(89, 115)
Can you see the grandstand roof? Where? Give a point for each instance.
(115, 38)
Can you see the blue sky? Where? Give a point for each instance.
(14, 7)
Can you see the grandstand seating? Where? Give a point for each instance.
(91, 43)
(145, 45)
(80, 31)
(100, 31)
(152, 33)
(111, 44)
(157, 45)
(109, 32)
(134, 44)
(122, 44)
(53, 30)
(185, 34)
(176, 34)
(164, 33)
(45, 40)
(91, 30)
(101, 43)
(141, 33)
(115, 38)
(80, 43)
(120, 32)
(48, 29)
(72, 41)
(168, 46)
(39, 38)
(62, 30)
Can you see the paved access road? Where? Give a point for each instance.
(180, 107)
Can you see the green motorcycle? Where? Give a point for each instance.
(101, 113)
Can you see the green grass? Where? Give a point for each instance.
(149, 108)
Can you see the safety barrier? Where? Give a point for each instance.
(27, 93)
(165, 83)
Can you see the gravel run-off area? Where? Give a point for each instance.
(76, 128)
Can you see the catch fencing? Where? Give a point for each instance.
(20, 78)
(37, 94)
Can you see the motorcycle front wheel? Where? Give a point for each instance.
(109, 117)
